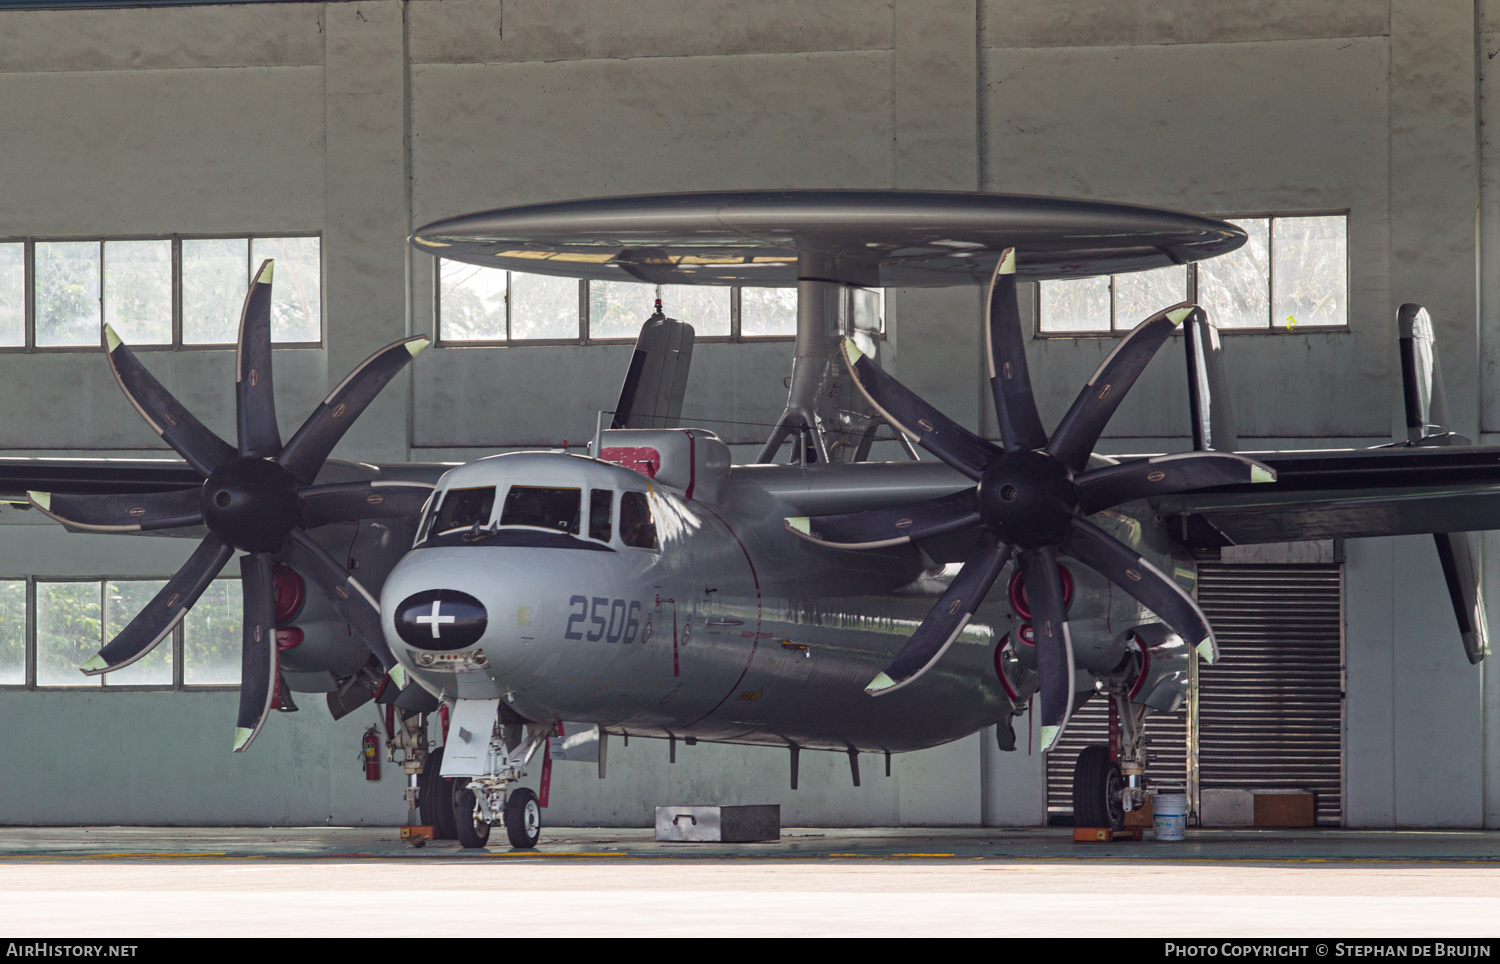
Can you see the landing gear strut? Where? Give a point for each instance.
(482, 802)
(1110, 781)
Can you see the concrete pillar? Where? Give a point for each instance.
(367, 211)
(936, 83)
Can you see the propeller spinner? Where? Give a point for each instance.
(1030, 499)
(257, 497)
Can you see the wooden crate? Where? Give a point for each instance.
(1285, 809)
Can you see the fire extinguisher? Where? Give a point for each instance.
(370, 753)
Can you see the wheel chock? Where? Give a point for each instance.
(417, 835)
(1093, 834)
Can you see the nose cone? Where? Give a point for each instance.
(441, 619)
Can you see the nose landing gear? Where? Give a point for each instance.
(483, 801)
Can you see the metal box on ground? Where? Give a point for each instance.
(718, 824)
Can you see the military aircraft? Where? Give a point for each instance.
(827, 602)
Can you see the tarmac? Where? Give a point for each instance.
(338, 881)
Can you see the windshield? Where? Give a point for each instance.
(530, 505)
(462, 508)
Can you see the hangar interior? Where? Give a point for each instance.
(344, 125)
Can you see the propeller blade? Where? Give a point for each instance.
(876, 528)
(1456, 552)
(255, 399)
(917, 420)
(258, 652)
(353, 501)
(1166, 475)
(304, 455)
(203, 450)
(352, 601)
(1152, 588)
(1054, 643)
(1091, 411)
(141, 512)
(945, 620)
(165, 610)
(1005, 351)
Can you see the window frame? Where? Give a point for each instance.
(176, 343)
(735, 336)
(177, 642)
(1192, 287)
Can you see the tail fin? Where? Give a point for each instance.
(656, 380)
(1427, 425)
(1208, 392)
(1422, 381)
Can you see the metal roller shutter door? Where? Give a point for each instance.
(1270, 713)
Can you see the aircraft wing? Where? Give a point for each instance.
(1398, 490)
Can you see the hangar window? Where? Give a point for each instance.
(489, 306)
(155, 292)
(51, 627)
(75, 618)
(212, 636)
(1292, 274)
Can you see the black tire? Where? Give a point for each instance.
(469, 827)
(1097, 783)
(523, 819)
(435, 800)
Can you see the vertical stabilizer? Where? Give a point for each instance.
(656, 381)
(1208, 391)
(1427, 425)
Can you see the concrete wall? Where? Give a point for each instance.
(360, 120)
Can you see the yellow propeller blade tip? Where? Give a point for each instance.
(1180, 315)
(398, 676)
(95, 664)
(111, 339)
(415, 347)
(851, 350)
(1008, 261)
(880, 684)
(264, 276)
(1050, 735)
(242, 735)
(1259, 473)
(1207, 652)
(800, 523)
(42, 500)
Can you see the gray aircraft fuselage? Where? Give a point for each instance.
(731, 628)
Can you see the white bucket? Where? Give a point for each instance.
(1169, 815)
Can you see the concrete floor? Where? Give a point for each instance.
(149, 881)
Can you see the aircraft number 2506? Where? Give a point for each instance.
(613, 620)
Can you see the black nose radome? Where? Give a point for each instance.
(441, 619)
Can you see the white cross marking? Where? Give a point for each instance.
(435, 620)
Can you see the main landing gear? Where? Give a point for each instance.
(1109, 781)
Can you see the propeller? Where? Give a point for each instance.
(257, 497)
(1030, 498)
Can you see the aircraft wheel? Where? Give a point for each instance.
(523, 819)
(471, 829)
(1096, 790)
(436, 799)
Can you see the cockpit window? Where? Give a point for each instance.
(462, 508)
(636, 527)
(529, 505)
(601, 511)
